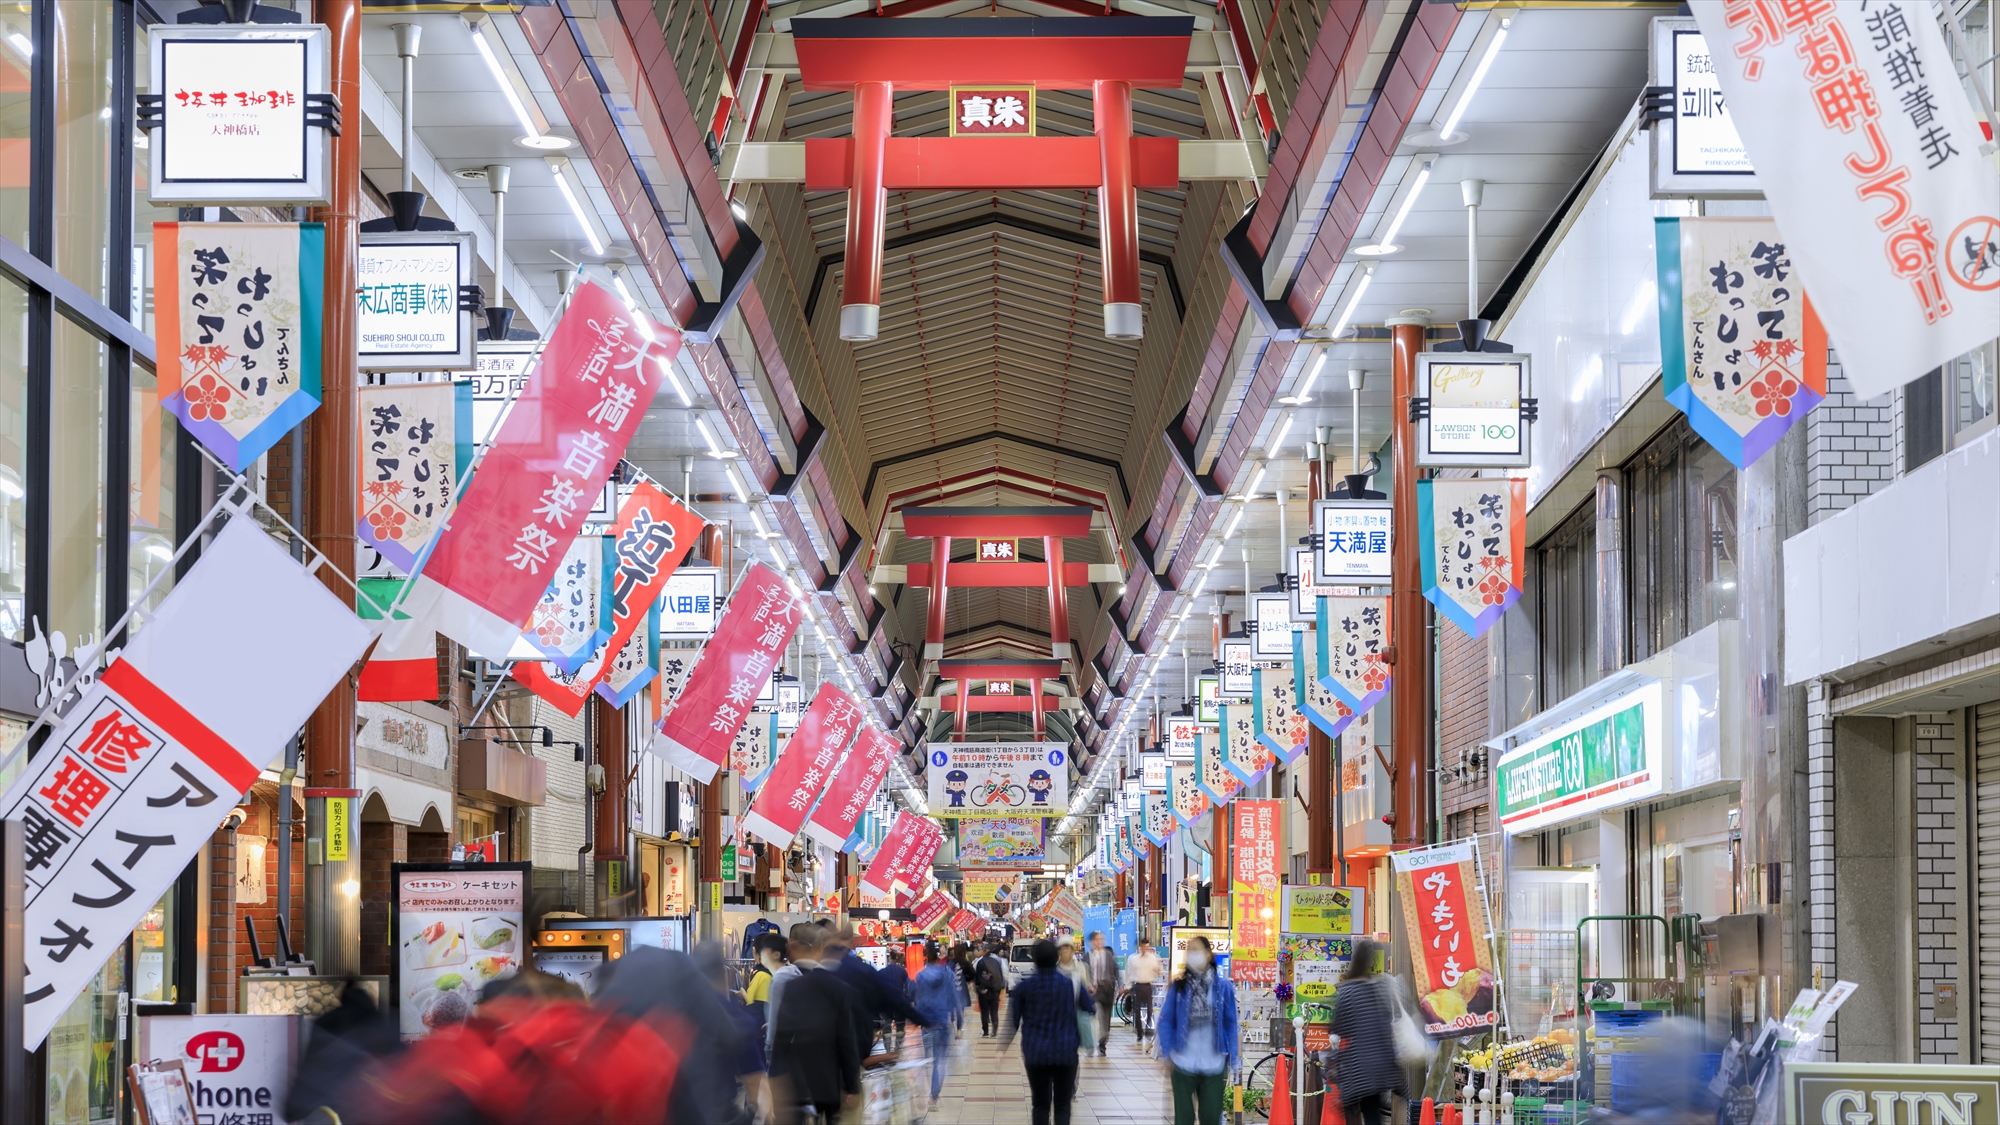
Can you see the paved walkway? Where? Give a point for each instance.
(986, 1085)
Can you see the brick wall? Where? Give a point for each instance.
(382, 843)
(1939, 783)
(1851, 446)
(222, 923)
(1463, 723)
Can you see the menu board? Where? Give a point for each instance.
(456, 926)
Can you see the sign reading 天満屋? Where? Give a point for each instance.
(1743, 352)
(1355, 537)
(238, 315)
(1611, 755)
(1476, 417)
(998, 778)
(235, 110)
(406, 300)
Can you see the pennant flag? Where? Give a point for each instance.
(806, 766)
(1473, 538)
(932, 910)
(565, 691)
(1353, 636)
(860, 777)
(404, 666)
(554, 452)
(634, 666)
(1190, 803)
(239, 308)
(1280, 727)
(754, 750)
(1318, 704)
(152, 756)
(1742, 349)
(913, 871)
(1156, 818)
(880, 878)
(416, 442)
(748, 643)
(1242, 754)
(1868, 151)
(1214, 780)
(568, 625)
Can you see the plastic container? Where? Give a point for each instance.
(1628, 1021)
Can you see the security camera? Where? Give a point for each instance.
(236, 817)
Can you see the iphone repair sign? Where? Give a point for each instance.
(238, 1067)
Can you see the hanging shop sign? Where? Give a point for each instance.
(1184, 789)
(1743, 352)
(1316, 701)
(415, 445)
(1472, 535)
(1478, 410)
(998, 778)
(1253, 893)
(987, 888)
(1208, 699)
(500, 374)
(239, 308)
(806, 765)
(1271, 626)
(859, 778)
(1355, 536)
(1183, 733)
(1611, 755)
(409, 315)
(549, 462)
(1697, 153)
(753, 749)
(993, 111)
(1870, 156)
(1236, 662)
(691, 603)
(635, 665)
(1280, 726)
(239, 114)
(1219, 939)
(1004, 841)
(1325, 911)
(1214, 778)
(1849, 1093)
(791, 703)
(734, 666)
(1156, 818)
(149, 758)
(1242, 754)
(1307, 590)
(1353, 636)
(1444, 908)
(455, 927)
(1153, 772)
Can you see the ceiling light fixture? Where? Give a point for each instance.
(1256, 482)
(763, 529)
(514, 103)
(1354, 302)
(736, 481)
(576, 208)
(1235, 521)
(1284, 431)
(675, 381)
(1450, 125)
(708, 435)
(1386, 243)
(1303, 392)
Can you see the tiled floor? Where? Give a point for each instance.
(985, 1085)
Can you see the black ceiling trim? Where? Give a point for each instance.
(875, 470)
(826, 264)
(1025, 27)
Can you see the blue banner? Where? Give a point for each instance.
(1125, 934)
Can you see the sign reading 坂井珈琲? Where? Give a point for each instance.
(1610, 755)
(1841, 1093)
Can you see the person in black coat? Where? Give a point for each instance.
(1364, 1023)
(815, 1054)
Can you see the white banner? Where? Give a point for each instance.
(157, 752)
(998, 778)
(1866, 146)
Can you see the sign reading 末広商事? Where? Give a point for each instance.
(1355, 538)
(409, 316)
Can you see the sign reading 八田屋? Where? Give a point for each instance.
(992, 111)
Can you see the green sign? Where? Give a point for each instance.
(729, 863)
(1610, 756)
(1891, 1094)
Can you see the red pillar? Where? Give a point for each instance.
(1052, 545)
(1035, 705)
(1117, 211)
(940, 551)
(964, 703)
(1411, 690)
(867, 203)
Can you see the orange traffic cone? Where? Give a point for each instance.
(1281, 1093)
(1429, 1115)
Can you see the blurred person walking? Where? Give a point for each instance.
(815, 1057)
(1043, 1009)
(1198, 1035)
(802, 936)
(1072, 967)
(989, 981)
(1103, 967)
(961, 963)
(1364, 1027)
(940, 998)
(1142, 972)
(770, 950)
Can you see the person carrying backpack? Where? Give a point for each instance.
(989, 980)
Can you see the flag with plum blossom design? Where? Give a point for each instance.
(1315, 700)
(1472, 535)
(1280, 726)
(1353, 638)
(415, 443)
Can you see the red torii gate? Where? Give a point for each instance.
(1050, 524)
(1107, 55)
(1036, 672)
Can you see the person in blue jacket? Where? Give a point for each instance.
(1197, 1034)
(939, 997)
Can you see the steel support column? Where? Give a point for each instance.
(1052, 546)
(1117, 210)
(1320, 774)
(613, 871)
(867, 205)
(1411, 712)
(940, 557)
(333, 888)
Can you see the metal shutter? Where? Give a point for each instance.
(1986, 821)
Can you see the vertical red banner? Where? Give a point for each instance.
(1449, 955)
(748, 643)
(806, 764)
(860, 775)
(880, 878)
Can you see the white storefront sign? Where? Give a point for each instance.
(1183, 734)
(1355, 537)
(1476, 418)
(1697, 151)
(1238, 670)
(691, 602)
(406, 297)
(1272, 617)
(239, 1068)
(233, 107)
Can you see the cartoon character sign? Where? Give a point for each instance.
(954, 784)
(994, 779)
(1039, 785)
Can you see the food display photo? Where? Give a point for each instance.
(456, 930)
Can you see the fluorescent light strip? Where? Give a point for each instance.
(675, 381)
(1235, 521)
(1478, 76)
(583, 220)
(1284, 431)
(1257, 482)
(1354, 302)
(736, 482)
(1312, 377)
(714, 450)
(1388, 238)
(506, 85)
